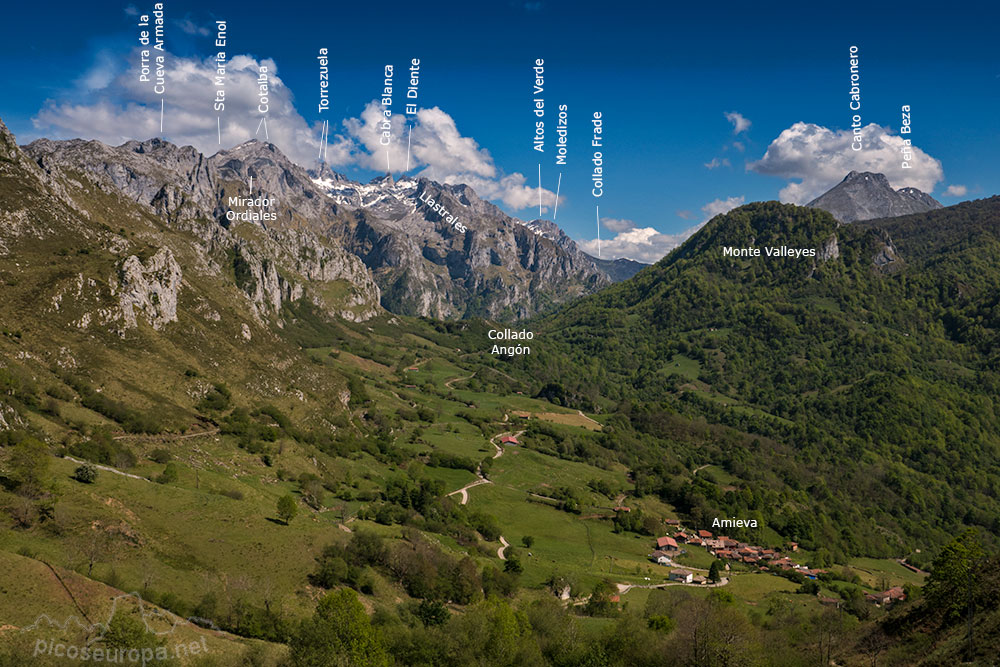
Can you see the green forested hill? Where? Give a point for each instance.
(873, 365)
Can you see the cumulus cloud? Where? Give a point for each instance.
(819, 158)
(716, 163)
(739, 121)
(647, 244)
(437, 150)
(684, 213)
(956, 191)
(617, 225)
(116, 107)
(127, 109)
(643, 244)
(720, 206)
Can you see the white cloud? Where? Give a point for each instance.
(646, 244)
(720, 206)
(643, 244)
(820, 158)
(739, 121)
(617, 225)
(116, 107)
(437, 151)
(127, 109)
(716, 163)
(191, 28)
(956, 191)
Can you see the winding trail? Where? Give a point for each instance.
(503, 548)
(481, 479)
(695, 471)
(593, 421)
(106, 468)
(625, 588)
(464, 491)
(450, 385)
(165, 438)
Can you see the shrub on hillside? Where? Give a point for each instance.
(86, 473)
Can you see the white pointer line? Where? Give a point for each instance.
(598, 209)
(407, 148)
(265, 129)
(559, 183)
(219, 123)
(161, 115)
(258, 126)
(539, 190)
(322, 140)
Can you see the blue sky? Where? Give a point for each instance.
(664, 78)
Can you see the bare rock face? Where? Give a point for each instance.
(499, 267)
(284, 259)
(865, 196)
(150, 289)
(382, 238)
(830, 249)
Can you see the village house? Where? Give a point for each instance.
(661, 557)
(667, 544)
(673, 522)
(681, 535)
(705, 534)
(894, 594)
(694, 540)
(683, 576)
(509, 440)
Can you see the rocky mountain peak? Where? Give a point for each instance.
(864, 195)
(8, 145)
(422, 259)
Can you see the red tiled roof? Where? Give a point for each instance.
(666, 542)
(704, 533)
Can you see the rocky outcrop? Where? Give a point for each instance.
(150, 289)
(285, 259)
(417, 263)
(830, 249)
(865, 196)
(499, 267)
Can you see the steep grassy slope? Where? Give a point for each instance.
(871, 364)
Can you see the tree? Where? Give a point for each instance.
(287, 508)
(600, 603)
(86, 473)
(713, 571)
(527, 541)
(947, 589)
(513, 565)
(338, 634)
(29, 465)
(432, 612)
(126, 632)
(169, 474)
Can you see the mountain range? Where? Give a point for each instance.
(417, 263)
(865, 195)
